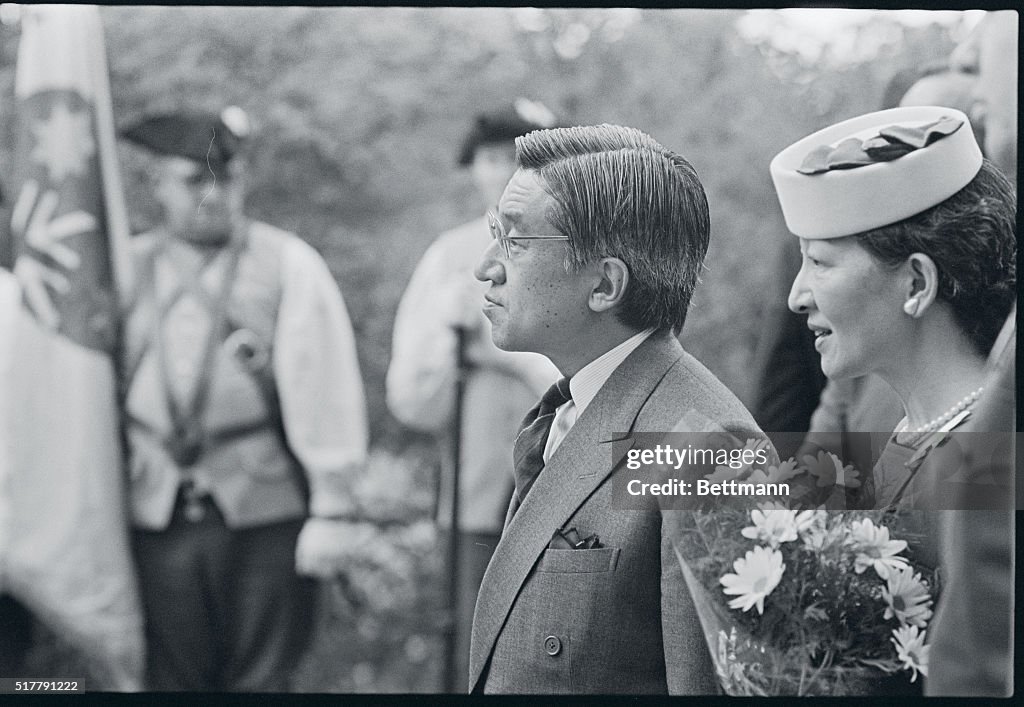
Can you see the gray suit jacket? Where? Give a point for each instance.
(616, 619)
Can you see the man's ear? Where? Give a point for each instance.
(612, 281)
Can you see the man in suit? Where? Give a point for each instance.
(599, 239)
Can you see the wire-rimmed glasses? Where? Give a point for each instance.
(498, 233)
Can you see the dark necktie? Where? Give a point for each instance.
(528, 453)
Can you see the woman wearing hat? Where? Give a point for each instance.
(909, 270)
(909, 250)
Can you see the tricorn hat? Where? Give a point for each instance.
(202, 136)
(505, 125)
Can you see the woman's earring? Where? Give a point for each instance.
(911, 305)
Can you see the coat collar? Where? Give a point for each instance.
(579, 465)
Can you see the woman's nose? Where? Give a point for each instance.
(800, 299)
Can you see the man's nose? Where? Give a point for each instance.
(800, 299)
(490, 268)
(211, 187)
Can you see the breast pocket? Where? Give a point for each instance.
(602, 559)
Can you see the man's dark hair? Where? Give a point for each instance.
(621, 194)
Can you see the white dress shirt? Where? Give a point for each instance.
(585, 385)
(319, 383)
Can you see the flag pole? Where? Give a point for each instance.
(118, 228)
(116, 212)
(454, 532)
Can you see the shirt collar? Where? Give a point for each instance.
(585, 384)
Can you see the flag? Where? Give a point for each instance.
(64, 544)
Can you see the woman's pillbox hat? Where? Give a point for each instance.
(874, 170)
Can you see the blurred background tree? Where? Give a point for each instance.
(359, 113)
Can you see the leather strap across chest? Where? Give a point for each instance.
(188, 435)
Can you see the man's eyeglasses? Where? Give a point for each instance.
(498, 233)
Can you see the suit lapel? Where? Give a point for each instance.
(579, 465)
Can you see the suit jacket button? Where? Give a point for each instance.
(552, 645)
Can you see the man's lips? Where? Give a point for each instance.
(490, 302)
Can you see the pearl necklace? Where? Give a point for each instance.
(911, 438)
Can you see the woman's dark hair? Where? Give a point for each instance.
(972, 238)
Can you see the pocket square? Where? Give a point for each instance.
(570, 540)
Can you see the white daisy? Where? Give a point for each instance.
(757, 574)
(910, 649)
(772, 527)
(907, 598)
(875, 549)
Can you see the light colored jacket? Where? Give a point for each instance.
(307, 390)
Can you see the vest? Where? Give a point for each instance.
(245, 463)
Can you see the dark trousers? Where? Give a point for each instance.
(15, 637)
(224, 608)
(475, 550)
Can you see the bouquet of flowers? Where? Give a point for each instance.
(809, 602)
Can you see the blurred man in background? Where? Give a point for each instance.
(498, 388)
(991, 51)
(245, 414)
(943, 85)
